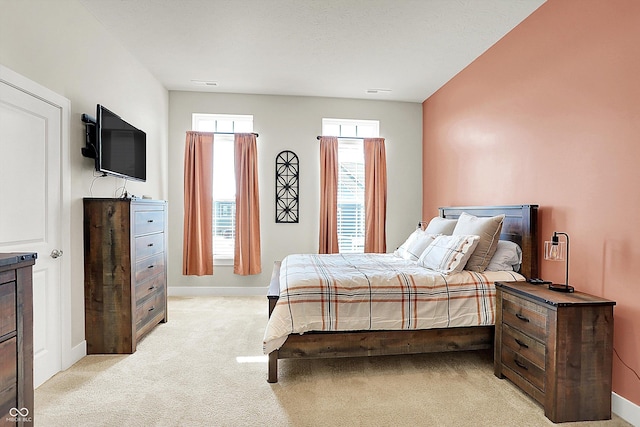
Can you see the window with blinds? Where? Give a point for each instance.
(351, 219)
(224, 179)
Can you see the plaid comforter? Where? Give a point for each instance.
(353, 292)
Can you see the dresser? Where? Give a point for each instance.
(557, 347)
(16, 338)
(125, 277)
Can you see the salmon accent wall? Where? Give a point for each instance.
(550, 115)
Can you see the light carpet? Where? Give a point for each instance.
(205, 368)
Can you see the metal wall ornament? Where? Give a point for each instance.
(287, 183)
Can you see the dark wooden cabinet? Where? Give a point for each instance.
(16, 338)
(125, 286)
(557, 347)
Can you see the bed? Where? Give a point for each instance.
(454, 333)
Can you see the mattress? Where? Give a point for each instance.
(358, 292)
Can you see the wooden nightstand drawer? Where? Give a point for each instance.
(523, 367)
(525, 316)
(524, 345)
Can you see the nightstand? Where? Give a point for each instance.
(556, 347)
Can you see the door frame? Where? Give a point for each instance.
(68, 356)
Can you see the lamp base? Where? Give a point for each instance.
(560, 288)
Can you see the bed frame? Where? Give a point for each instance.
(520, 226)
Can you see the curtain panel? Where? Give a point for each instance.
(328, 195)
(197, 249)
(247, 258)
(375, 195)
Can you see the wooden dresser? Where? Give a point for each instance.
(557, 347)
(16, 338)
(125, 278)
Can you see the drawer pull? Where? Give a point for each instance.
(520, 364)
(153, 287)
(521, 317)
(153, 307)
(150, 244)
(149, 220)
(521, 344)
(151, 266)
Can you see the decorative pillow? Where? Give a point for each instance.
(508, 257)
(414, 245)
(439, 225)
(489, 231)
(402, 249)
(448, 254)
(418, 246)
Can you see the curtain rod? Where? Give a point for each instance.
(344, 137)
(232, 133)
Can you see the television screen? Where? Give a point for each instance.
(122, 147)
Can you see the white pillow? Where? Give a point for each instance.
(402, 249)
(419, 245)
(508, 257)
(448, 254)
(439, 225)
(414, 245)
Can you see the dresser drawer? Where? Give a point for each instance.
(7, 308)
(148, 245)
(525, 316)
(523, 367)
(149, 312)
(149, 267)
(146, 288)
(8, 276)
(146, 222)
(524, 345)
(8, 376)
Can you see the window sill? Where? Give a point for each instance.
(223, 261)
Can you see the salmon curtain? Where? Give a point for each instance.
(246, 259)
(197, 248)
(375, 195)
(328, 195)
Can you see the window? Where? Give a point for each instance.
(224, 179)
(351, 220)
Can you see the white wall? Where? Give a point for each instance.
(292, 123)
(59, 45)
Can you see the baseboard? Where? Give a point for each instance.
(75, 354)
(193, 291)
(628, 411)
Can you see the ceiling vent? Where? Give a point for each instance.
(208, 83)
(376, 91)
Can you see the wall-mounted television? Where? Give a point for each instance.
(119, 149)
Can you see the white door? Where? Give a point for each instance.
(31, 211)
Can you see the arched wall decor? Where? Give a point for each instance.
(287, 173)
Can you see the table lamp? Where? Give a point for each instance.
(555, 250)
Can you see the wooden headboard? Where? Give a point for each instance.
(519, 226)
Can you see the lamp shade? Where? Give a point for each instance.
(555, 250)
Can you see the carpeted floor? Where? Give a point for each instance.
(205, 368)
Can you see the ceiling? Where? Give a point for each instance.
(404, 49)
